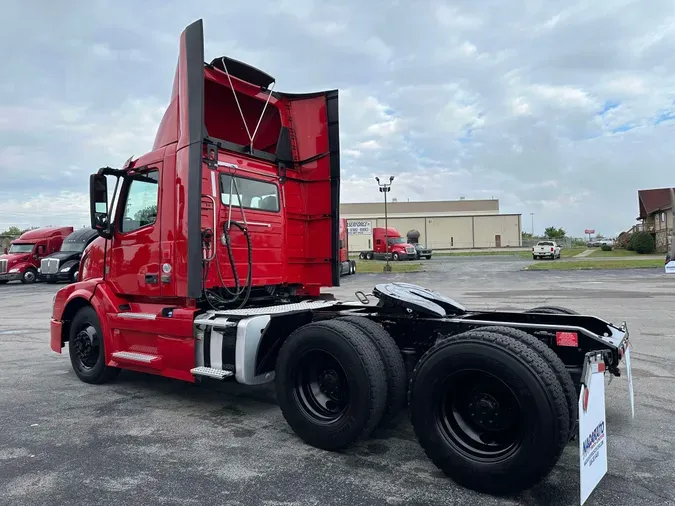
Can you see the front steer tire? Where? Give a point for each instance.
(87, 350)
(397, 387)
(29, 276)
(330, 384)
(495, 382)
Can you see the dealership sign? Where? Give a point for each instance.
(359, 227)
(592, 433)
(589, 231)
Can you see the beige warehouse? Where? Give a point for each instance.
(443, 225)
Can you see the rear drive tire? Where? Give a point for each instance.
(353, 266)
(552, 360)
(393, 364)
(485, 383)
(369, 256)
(86, 348)
(29, 276)
(330, 384)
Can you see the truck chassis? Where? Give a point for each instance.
(492, 396)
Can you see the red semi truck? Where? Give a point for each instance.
(396, 246)
(212, 265)
(22, 261)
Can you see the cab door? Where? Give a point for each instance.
(135, 246)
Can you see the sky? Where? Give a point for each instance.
(563, 109)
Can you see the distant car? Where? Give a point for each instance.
(422, 251)
(546, 249)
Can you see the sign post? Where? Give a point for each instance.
(589, 231)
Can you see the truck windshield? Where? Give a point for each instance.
(73, 246)
(21, 248)
(396, 240)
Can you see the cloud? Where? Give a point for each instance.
(564, 111)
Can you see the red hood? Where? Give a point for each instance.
(13, 258)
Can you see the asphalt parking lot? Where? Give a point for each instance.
(148, 440)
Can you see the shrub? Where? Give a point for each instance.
(643, 243)
(606, 247)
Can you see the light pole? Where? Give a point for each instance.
(532, 216)
(385, 188)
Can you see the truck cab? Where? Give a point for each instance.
(64, 264)
(397, 247)
(22, 260)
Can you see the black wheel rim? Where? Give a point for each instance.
(321, 387)
(480, 415)
(86, 345)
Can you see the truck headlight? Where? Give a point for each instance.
(13, 271)
(65, 269)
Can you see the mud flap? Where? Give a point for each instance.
(592, 428)
(629, 374)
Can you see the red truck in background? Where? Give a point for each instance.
(398, 248)
(22, 260)
(210, 267)
(347, 266)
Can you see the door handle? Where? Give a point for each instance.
(151, 279)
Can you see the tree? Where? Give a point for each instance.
(12, 231)
(554, 233)
(527, 236)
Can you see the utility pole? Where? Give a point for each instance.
(532, 216)
(386, 188)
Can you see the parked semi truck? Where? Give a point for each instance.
(389, 242)
(212, 266)
(347, 266)
(22, 260)
(64, 264)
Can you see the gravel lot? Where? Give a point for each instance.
(149, 440)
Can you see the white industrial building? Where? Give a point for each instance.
(443, 225)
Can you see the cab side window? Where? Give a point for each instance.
(140, 208)
(249, 193)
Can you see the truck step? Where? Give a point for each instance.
(210, 372)
(137, 358)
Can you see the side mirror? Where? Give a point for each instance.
(98, 204)
(6, 250)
